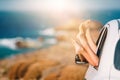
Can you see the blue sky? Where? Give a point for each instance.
(81, 4)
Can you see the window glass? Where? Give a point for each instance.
(117, 56)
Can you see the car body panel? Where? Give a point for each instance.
(106, 69)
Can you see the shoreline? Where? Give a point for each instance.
(51, 62)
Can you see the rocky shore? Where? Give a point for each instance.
(52, 63)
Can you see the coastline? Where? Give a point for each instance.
(52, 61)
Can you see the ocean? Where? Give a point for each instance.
(30, 27)
(15, 26)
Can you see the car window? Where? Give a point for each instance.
(101, 40)
(117, 52)
(117, 56)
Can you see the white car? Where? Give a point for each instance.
(109, 53)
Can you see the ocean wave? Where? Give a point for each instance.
(26, 42)
(47, 32)
(11, 42)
